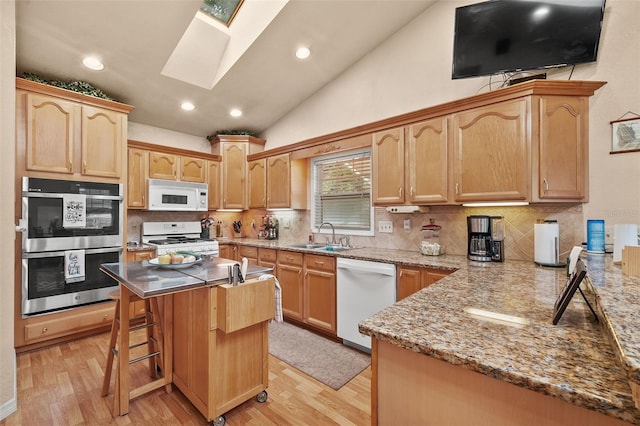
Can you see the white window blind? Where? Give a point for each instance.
(342, 191)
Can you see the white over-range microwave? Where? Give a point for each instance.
(168, 195)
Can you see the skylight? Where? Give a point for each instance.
(222, 10)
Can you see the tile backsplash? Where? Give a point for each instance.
(295, 226)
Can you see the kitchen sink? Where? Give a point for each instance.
(320, 247)
(308, 246)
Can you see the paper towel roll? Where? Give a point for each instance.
(623, 235)
(546, 243)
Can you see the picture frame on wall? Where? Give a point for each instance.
(625, 135)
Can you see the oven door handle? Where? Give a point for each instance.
(56, 195)
(42, 254)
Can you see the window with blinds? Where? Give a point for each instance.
(342, 191)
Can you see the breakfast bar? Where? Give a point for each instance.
(479, 347)
(202, 292)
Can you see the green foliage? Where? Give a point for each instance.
(75, 86)
(222, 10)
(229, 132)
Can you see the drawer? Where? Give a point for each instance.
(68, 324)
(244, 305)
(267, 255)
(320, 263)
(290, 258)
(248, 252)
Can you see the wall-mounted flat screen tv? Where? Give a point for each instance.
(502, 36)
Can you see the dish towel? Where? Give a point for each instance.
(278, 298)
(74, 211)
(74, 266)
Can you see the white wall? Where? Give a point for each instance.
(412, 70)
(8, 401)
(156, 135)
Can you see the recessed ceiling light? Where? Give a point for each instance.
(187, 106)
(93, 63)
(303, 53)
(235, 112)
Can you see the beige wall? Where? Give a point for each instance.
(7, 230)
(412, 70)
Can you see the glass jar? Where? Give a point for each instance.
(430, 244)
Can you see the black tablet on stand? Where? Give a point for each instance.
(569, 289)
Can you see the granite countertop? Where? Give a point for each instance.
(135, 246)
(453, 320)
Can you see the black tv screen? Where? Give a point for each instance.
(502, 36)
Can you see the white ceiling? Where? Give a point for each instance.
(136, 39)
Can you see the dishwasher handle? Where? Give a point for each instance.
(382, 269)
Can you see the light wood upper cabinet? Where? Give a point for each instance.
(213, 179)
(138, 163)
(193, 169)
(279, 181)
(491, 151)
(62, 132)
(388, 166)
(563, 150)
(103, 138)
(427, 161)
(163, 165)
(257, 172)
(234, 175)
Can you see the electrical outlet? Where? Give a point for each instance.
(407, 224)
(385, 226)
(286, 222)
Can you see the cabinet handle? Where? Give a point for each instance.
(401, 273)
(457, 188)
(412, 192)
(71, 165)
(84, 167)
(44, 329)
(546, 185)
(317, 262)
(400, 192)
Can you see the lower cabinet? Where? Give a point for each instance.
(268, 257)
(411, 279)
(136, 309)
(220, 348)
(308, 284)
(251, 253)
(228, 251)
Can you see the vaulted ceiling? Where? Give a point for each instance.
(157, 54)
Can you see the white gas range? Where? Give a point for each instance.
(173, 236)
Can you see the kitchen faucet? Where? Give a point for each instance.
(333, 231)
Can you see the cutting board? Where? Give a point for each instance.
(631, 260)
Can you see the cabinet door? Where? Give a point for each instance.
(430, 276)
(138, 163)
(491, 153)
(193, 169)
(103, 142)
(320, 299)
(409, 281)
(388, 167)
(290, 278)
(427, 161)
(234, 172)
(52, 127)
(228, 251)
(267, 257)
(279, 182)
(163, 166)
(213, 179)
(563, 148)
(257, 172)
(251, 253)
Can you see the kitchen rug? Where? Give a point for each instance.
(327, 361)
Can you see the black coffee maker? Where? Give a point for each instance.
(485, 238)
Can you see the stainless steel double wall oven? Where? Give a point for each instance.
(69, 228)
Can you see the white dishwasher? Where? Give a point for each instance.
(364, 288)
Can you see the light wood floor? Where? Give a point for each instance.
(61, 385)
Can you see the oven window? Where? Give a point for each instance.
(45, 218)
(46, 275)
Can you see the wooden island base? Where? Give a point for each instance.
(409, 388)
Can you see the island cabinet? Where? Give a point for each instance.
(411, 279)
(137, 308)
(59, 132)
(410, 164)
(220, 349)
(278, 182)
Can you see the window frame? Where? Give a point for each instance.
(312, 202)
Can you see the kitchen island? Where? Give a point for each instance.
(479, 347)
(207, 326)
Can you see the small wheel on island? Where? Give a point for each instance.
(262, 397)
(220, 421)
